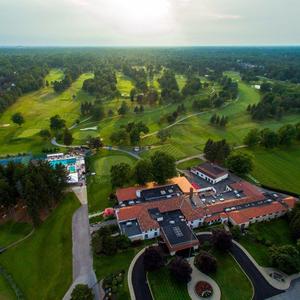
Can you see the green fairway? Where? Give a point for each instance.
(278, 168)
(164, 287)
(189, 163)
(37, 108)
(124, 84)
(231, 279)
(42, 265)
(12, 231)
(99, 186)
(276, 232)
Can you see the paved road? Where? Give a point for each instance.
(139, 281)
(262, 289)
(83, 271)
(95, 227)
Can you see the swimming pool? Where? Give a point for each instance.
(66, 162)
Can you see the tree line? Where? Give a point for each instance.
(37, 185)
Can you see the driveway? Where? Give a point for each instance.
(262, 289)
(83, 271)
(292, 293)
(139, 281)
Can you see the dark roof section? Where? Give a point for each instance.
(167, 191)
(130, 228)
(211, 170)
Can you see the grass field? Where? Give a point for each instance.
(189, 163)
(37, 108)
(99, 186)
(164, 287)
(275, 231)
(6, 293)
(42, 264)
(277, 168)
(11, 232)
(231, 279)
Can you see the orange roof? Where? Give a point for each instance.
(248, 189)
(244, 215)
(125, 194)
(289, 201)
(212, 218)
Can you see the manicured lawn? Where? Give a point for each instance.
(233, 283)
(164, 287)
(99, 186)
(37, 108)
(275, 231)
(190, 163)
(124, 84)
(42, 264)
(6, 293)
(277, 168)
(12, 231)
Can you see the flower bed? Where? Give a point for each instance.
(203, 289)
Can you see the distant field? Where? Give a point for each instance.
(37, 108)
(42, 264)
(277, 168)
(99, 186)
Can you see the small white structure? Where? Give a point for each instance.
(210, 172)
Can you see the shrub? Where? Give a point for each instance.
(205, 262)
(180, 269)
(221, 239)
(82, 292)
(203, 289)
(153, 259)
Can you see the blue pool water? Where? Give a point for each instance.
(68, 163)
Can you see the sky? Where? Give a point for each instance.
(149, 22)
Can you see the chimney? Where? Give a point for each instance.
(191, 193)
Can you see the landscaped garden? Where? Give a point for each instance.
(41, 265)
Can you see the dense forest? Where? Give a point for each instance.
(23, 70)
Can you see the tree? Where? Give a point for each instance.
(123, 109)
(221, 239)
(45, 134)
(82, 292)
(98, 112)
(153, 259)
(120, 174)
(269, 138)
(68, 138)
(295, 222)
(285, 258)
(57, 123)
(252, 138)
(286, 134)
(216, 151)
(205, 262)
(143, 171)
(240, 163)
(236, 232)
(163, 135)
(180, 269)
(163, 167)
(132, 94)
(18, 118)
(95, 143)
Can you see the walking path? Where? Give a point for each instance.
(173, 124)
(97, 226)
(18, 241)
(199, 276)
(83, 271)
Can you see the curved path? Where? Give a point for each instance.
(262, 288)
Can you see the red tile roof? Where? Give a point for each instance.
(290, 201)
(126, 194)
(212, 218)
(244, 215)
(140, 211)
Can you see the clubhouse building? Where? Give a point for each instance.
(174, 209)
